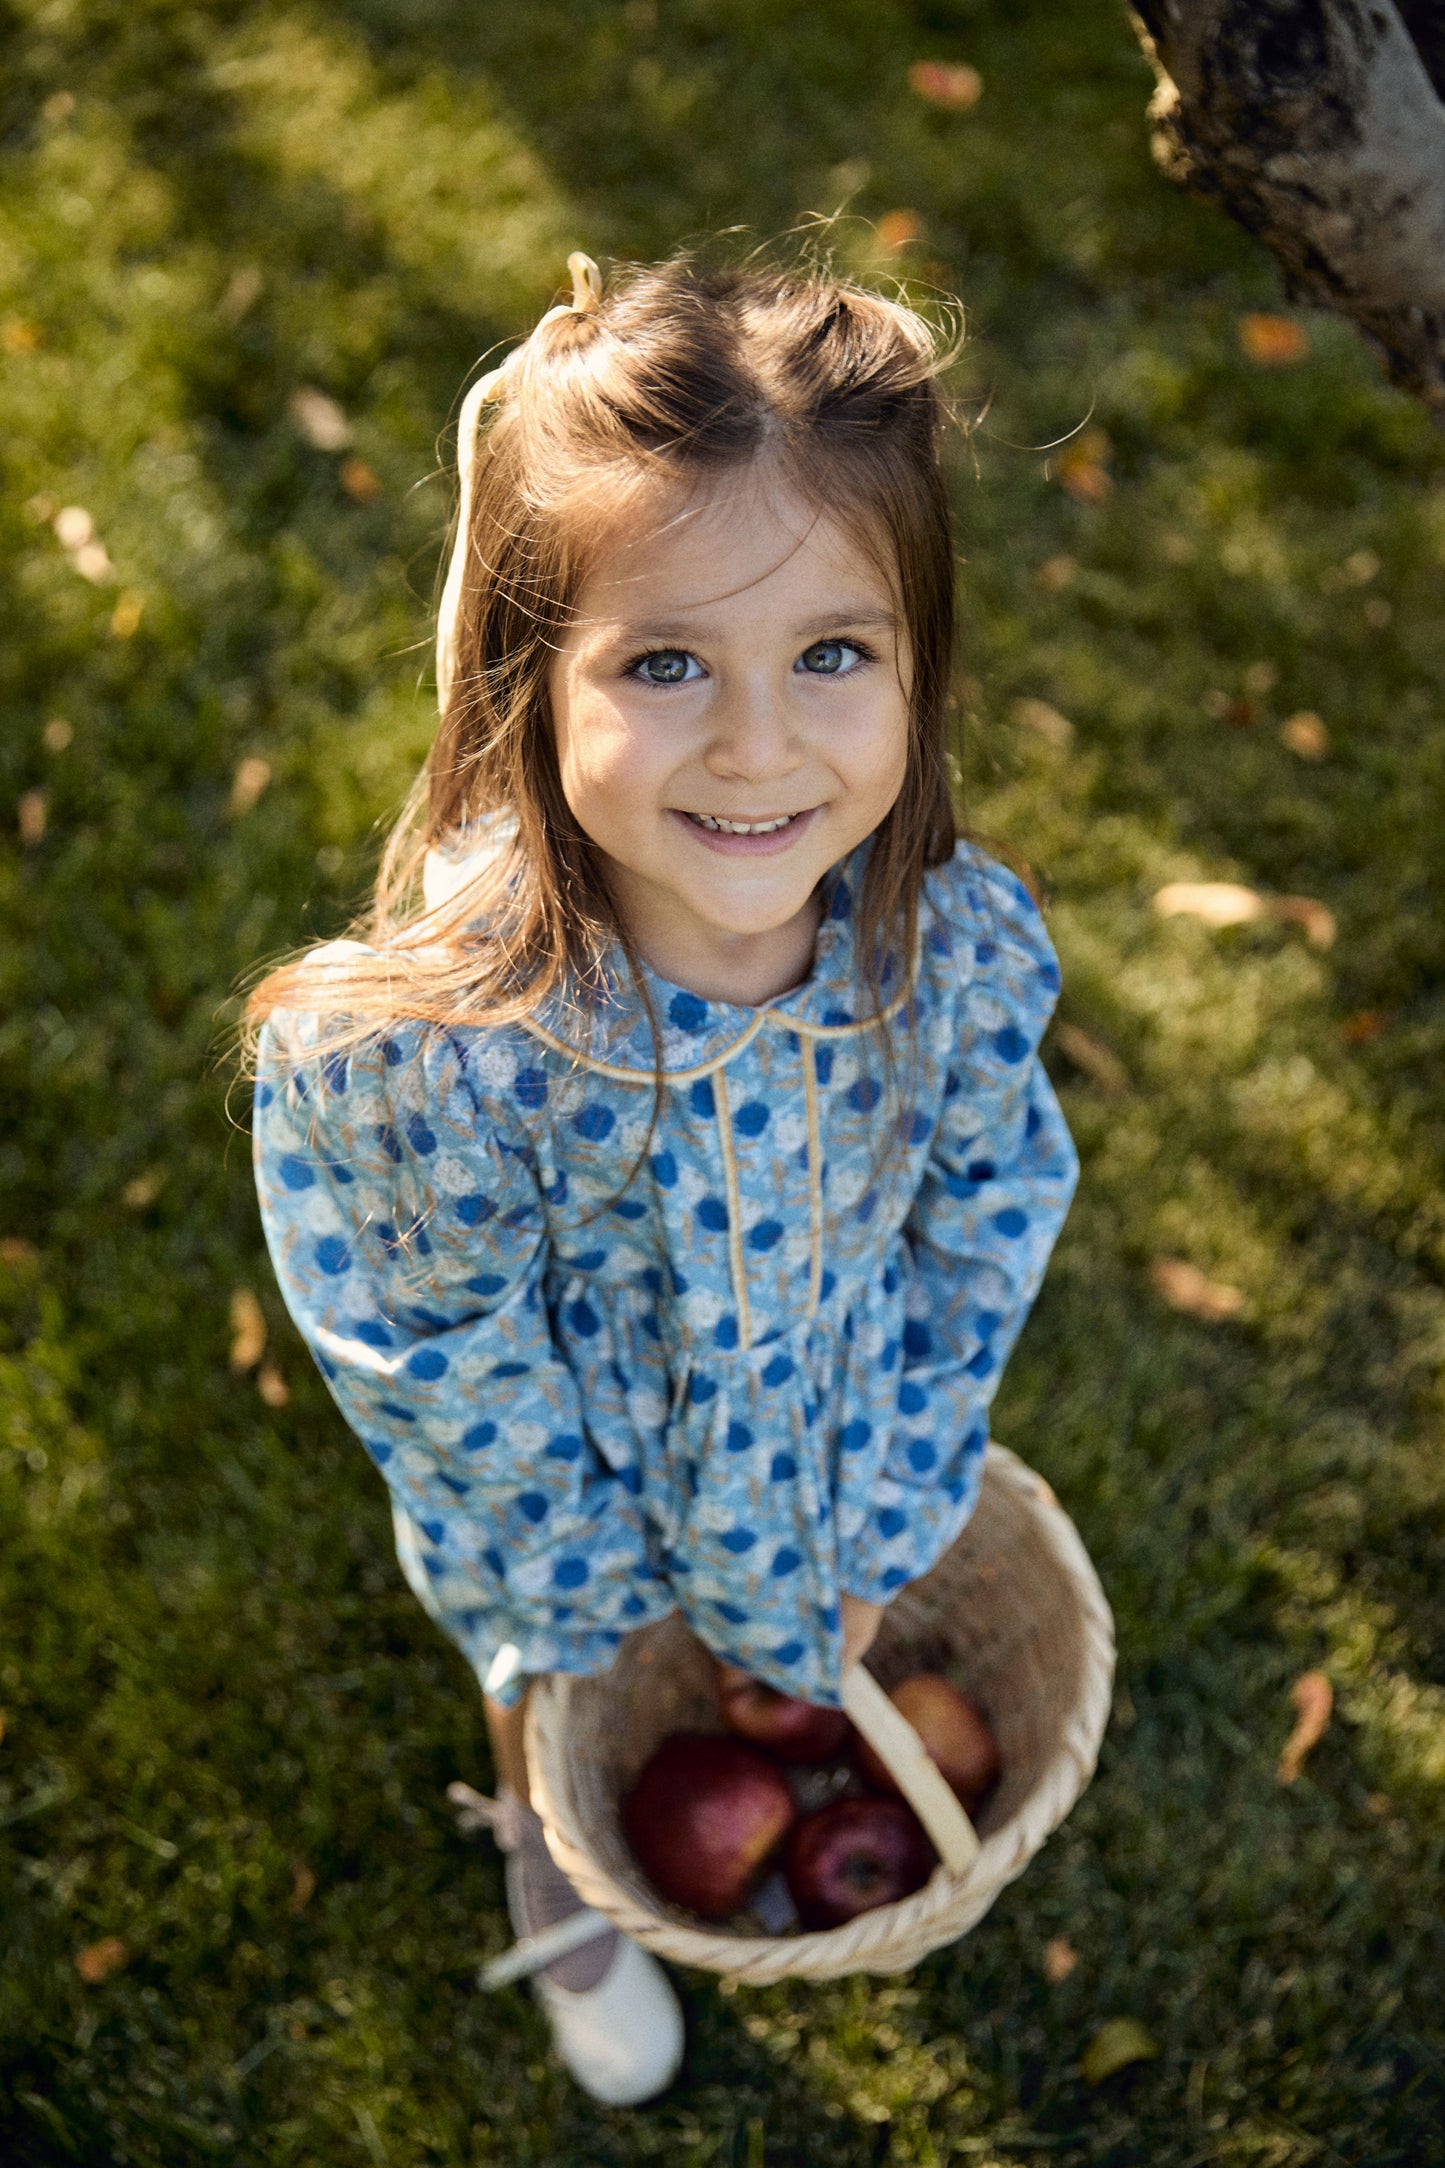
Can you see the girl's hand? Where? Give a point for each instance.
(860, 1624)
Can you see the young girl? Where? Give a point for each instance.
(662, 1190)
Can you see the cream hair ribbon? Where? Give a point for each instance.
(586, 297)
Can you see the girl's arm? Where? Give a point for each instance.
(407, 1232)
(994, 1194)
(861, 1621)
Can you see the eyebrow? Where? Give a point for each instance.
(679, 630)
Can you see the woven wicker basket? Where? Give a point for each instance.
(1014, 1613)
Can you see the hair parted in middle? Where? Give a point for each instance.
(671, 378)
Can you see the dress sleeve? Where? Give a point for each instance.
(402, 1209)
(995, 1192)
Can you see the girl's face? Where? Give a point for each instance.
(731, 704)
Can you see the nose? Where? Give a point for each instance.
(752, 739)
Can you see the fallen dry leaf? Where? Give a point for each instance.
(32, 811)
(101, 1959)
(1273, 342)
(303, 1887)
(1079, 468)
(250, 779)
(1364, 1026)
(1229, 708)
(15, 1250)
(359, 481)
(320, 420)
(896, 229)
(56, 735)
(1060, 1958)
(1184, 1287)
(244, 289)
(143, 1189)
(1098, 1062)
(73, 526)
(92, 562)
(272, 1386)
(1229, 903)
(1217, 903)
(1044, 722)
(949, 83)
(1056, 573)
(1314, 1698)
(1378, 1803)
(1316, 919)
(18, 336)
(126, 616)
(1117, 2043)
(248, 1330)
(1305, 734)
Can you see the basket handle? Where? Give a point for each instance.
(898, 1746)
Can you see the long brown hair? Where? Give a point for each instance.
(676, 374)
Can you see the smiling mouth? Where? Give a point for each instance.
(717, 826)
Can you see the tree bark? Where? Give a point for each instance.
(1319, 126)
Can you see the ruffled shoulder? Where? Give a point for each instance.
(981, 918)
(398, 1084)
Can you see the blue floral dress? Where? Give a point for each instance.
(728, 1351)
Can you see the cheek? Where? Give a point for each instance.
(599, 757)
(879, 761)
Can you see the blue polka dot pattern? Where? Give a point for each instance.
(609, 1370)
(687, 1012)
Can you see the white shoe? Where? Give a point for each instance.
(622, 2039)
(616, 2022)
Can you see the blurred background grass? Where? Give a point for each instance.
(227, 1727)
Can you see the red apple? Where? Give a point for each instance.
(704, 1818)
(856, 1854)
(796, 1731)
(955, 1733)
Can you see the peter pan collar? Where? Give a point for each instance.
(609, 1032)
(612, 1035)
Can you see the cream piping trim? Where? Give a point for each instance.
(815, 1179)
(765, 1017)
(735, 1211)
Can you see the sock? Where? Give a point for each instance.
(539, 1895)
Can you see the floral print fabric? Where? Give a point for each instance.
(734, 1359)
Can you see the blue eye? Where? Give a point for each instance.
(830, 658)
(666, 666)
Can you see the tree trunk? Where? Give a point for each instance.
(1318, 125)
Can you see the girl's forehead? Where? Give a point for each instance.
(745, 540)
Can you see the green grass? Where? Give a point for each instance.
(210, 1671)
